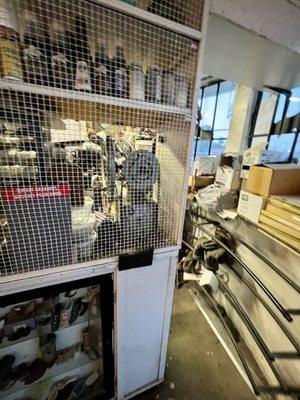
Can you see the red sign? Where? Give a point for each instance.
(34, 193)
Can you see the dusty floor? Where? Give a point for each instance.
(198, 368)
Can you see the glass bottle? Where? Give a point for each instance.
(154, 84)
(168, 88)
(61, 58)
(181, 91)
(83, 63)
(119, 74)
(35, 44)
(10, 57)
(102, 79)
(137, 82)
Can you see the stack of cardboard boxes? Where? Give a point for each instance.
(269, 195)
(271, 199)
(203, 173)
(223, 170)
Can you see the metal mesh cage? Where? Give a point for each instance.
(95, 122)
(188, 13)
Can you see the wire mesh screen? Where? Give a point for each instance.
(95, 120)
(184, 12)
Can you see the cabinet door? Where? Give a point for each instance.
(144, 305)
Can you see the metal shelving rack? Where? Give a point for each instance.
(141, 294)
(201, 224)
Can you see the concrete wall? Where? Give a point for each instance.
(276, 20)
(236, 54)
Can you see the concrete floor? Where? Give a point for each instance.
(198, 368)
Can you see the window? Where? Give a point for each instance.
(215, 111)
(277, 121)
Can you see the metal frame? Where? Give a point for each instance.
(259, 255)
(217, 82)
(283, 389)
(194, 115)
(270, 295)
(272, 132)
(271, 355)
(42, 278)
(140, 106)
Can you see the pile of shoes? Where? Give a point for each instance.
(30, 372)
(76, 387)
(22, 320)
(207, 253)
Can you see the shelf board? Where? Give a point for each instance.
(64, 94)
(43, 330)
(65, 369)
(154, 19)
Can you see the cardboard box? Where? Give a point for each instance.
(231, 160)
(245, 172)
(274, 179)
(228, 178)
(205, 165)
(198, 182)
(255, 156)
(250, 206)
(203, 181)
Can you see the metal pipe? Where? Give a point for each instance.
(277, 304)
(243, 361)
(271, 312)
(244, 317)
(278, 390)
(283, 388)
(277, 320)
(258, 389)
(293, 312)
(259, 255)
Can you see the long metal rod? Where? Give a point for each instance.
(278, 390)
(256, 388)
(241, 357)
(259, 255)
(276, 302)
(246, 320)
(293, 311)
(274, 316)
(283, 388)
(276, 319)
